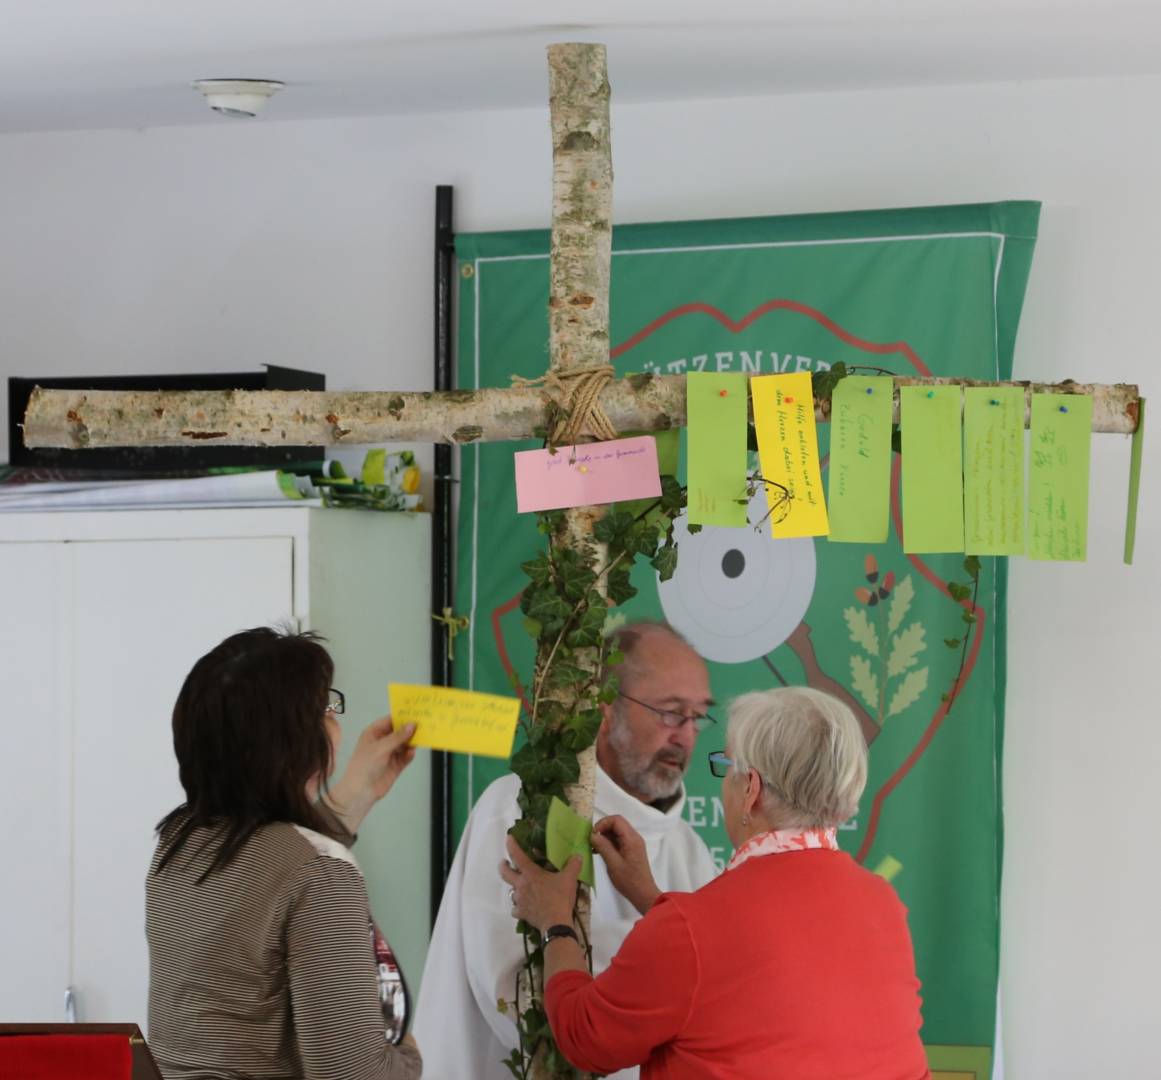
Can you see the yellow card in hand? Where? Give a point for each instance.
(459, 720)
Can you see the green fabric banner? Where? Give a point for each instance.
(926, 291)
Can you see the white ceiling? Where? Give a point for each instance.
(68, 64)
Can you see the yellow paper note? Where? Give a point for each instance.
(458, 720)
(788, 454)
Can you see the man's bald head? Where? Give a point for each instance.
(661, 674)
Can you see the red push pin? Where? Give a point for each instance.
(789, 401)
(723, 393)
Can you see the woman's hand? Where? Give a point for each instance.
(621, 846)
(542, 898)
(380, 755)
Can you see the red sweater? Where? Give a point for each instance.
(796, 965)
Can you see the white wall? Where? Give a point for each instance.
(309, 243)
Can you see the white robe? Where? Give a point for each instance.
(475, 952)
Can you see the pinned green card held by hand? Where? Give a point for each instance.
(567, 834)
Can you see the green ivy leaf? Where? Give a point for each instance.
(971, 566)
(614, 527)
(574, 574)
(546, 608)
(672, 496)
(665, 562)
(968, 617)
(692, 529)
(562, 673)
(614, 658)
(957, 591)
(531, 627)
(620, 589)
(538, 569)
(952, 642)
(642, 539)
(581, 731)
(590, 625)
(822, 383)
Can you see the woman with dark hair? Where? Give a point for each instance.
(263, 958)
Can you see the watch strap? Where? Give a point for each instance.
(560, 930)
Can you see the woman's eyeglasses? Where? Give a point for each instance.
(336, 703)
(671, 719)
(719, 764)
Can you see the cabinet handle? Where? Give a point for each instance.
(70, 1004)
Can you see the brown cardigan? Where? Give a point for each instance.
(266, 968)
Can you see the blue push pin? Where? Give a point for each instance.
(870, 390)
(1064, 408)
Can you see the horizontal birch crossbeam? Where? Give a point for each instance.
(79, 419)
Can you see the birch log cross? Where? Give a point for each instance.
(576, 399)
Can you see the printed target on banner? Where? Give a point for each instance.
(737, 594)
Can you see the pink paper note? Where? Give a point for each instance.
(589, 475)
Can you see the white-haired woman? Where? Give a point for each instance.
(796, 962)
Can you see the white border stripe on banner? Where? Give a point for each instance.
(764, 244)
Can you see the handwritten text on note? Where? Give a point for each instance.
(459, 720)
(589, 475)
(859, 492)
(788, 453)
(1058, 460)
(993, 470)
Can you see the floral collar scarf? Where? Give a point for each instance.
(777, 841)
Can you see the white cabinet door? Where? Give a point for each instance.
(34, 789)
(144, 612)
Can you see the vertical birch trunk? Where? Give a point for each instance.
(578, 317)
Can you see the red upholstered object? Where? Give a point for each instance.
(65, 1057)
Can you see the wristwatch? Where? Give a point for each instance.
(558, 931)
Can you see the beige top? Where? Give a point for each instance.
(266, 969)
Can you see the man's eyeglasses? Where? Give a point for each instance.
(719, 764)
(671, 719)
(336, 703)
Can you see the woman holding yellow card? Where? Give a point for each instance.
(263, 957)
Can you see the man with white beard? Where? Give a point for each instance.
(644, 746)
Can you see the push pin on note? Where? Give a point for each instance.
(1064, 408)
(790, 401)
(723, 393)
(870, 389)
(583, 469)
(931, 393)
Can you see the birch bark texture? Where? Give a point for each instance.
(76, 419)
(578, 321)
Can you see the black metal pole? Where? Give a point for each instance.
(441, 545)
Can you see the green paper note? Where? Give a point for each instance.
(1058, 477)
(1134, 483)
(567, 834)
(716, 452)
(993, 470)
(668, 453)
(859, 477)
(932, 427)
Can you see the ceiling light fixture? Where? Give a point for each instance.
(238, 97)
